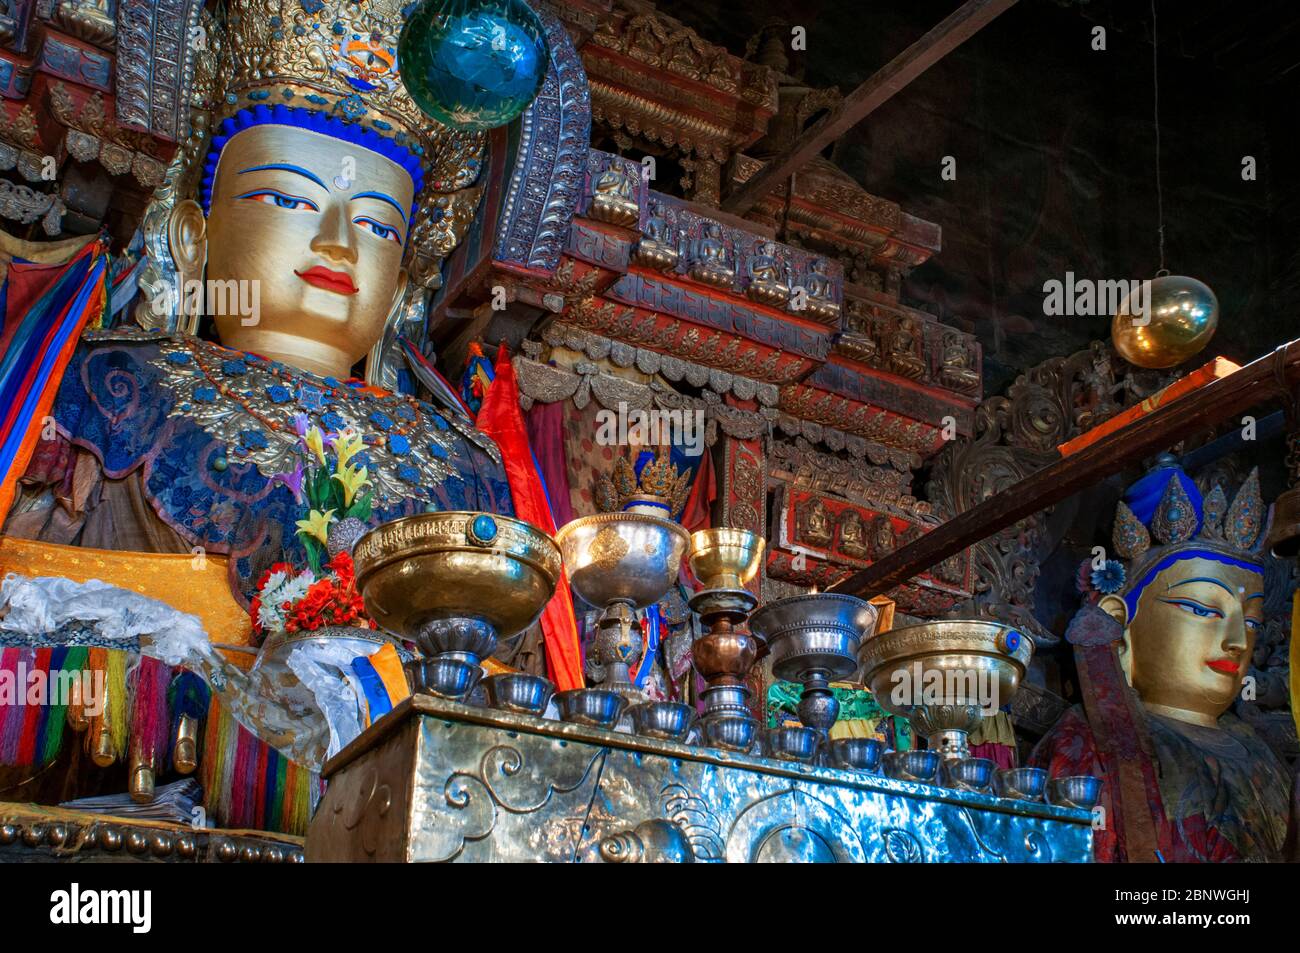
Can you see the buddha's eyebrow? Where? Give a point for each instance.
(285, 167)
(1221, 585)
(383, 198)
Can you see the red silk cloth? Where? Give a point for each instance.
(501, 419)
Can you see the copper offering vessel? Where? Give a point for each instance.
(725, 560)
(455, 583)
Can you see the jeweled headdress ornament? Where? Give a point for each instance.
(1163, 518)
(653, 481)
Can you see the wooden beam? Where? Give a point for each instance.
(1273, 377)
(961, 25)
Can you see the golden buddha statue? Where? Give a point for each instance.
(1161, 655)
(307, 213)
(903, 353)
(768, 282)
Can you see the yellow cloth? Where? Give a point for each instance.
(200, 587)
(388, 666)
(43, 253)
(995, 730)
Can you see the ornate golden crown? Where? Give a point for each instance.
(338, 58)
(1233, 530)
(660, 484)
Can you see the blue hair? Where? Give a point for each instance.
(1134, 594)
(314, 121)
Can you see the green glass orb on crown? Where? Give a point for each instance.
(472, 64)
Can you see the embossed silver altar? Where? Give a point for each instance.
(439, 780)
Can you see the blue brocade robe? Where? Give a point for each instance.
(167, 443)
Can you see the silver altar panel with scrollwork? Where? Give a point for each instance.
(438, 780)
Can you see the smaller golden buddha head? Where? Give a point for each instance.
(1191, 598)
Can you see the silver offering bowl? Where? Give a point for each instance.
(621, 562)
(855, 754)
(596, 707)
(729, 732)
(814, 639)
(1081, 791)
(517, 692)
(455, 583)
(1025, 784)
(791, 743)
(945, 676)
(444, 675)
(967, 774)
(911, 765)
(667, 721)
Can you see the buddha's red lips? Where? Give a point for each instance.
(1225, 665)
(336, 281)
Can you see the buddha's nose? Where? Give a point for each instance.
(334, 239)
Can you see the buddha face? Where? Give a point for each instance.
(1189, 644)
(320, 224)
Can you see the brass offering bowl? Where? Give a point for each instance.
(667, 721)
(855, 754)
(455, 583)
(911, 765)
(621, 562)
(814, 640)
(1081, 791)
(725, 560)
(1025, 784)
(944, 676)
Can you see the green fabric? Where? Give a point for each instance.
(856, 704)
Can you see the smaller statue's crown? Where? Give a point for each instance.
(652, 481)
(1165, 511)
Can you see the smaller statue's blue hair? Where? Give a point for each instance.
(313, 121)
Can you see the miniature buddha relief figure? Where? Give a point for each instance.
(882, 536)
(657, 248)
(853, 535)
(1162, 653)
(903, 349)
(815, 526)
(613, 197)
(956, 371)
(768, 279)
(710, 262)
(821, 304)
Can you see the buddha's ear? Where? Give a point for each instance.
(1115, 607)
(187, 238)
(376, 373)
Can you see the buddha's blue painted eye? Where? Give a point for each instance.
(386, 232)
(1254, 625)
(1195, 608)
(280, 200)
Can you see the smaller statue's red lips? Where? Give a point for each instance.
(336, 281)
(1225, 665)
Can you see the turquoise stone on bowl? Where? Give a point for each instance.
(473, 64)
